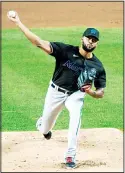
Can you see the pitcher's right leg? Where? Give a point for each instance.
(74, 104)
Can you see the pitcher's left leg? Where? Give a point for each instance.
(74, 104)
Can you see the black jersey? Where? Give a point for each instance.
(70, 64)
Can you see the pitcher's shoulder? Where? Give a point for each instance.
(98, 60)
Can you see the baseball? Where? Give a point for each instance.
(12, 13)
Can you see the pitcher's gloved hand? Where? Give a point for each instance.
(86, 87)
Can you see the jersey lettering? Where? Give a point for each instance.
(72, 65)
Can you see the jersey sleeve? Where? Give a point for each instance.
(58, 49)
(100, 81)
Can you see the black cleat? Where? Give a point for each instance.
(48, 135)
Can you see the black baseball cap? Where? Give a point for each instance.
(91, 32)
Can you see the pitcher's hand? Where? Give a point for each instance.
(15, 19)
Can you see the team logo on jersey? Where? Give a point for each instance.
(87, 76)
(91, 73)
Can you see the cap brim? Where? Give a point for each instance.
(92, 36)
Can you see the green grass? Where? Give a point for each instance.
(26, 72)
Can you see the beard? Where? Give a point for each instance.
(87, 49)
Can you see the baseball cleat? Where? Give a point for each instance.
(48, 135)
(70, 163)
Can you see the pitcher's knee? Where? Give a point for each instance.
(73, 109)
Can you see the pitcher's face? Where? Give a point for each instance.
(89, 43)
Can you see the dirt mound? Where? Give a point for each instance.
(98, 150)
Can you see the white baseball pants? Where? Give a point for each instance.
(54, 103)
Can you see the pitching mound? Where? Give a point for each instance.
(99, 150)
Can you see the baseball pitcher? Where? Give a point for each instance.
(76, 69)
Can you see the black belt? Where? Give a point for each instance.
(61, 90)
